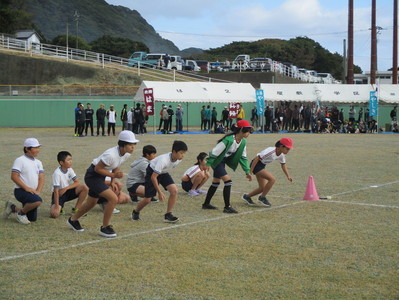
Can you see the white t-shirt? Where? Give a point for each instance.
(61, 179)
(163, 163)
(219, 148)
(269, 154)
(130, 117)
(28, 170)
(192, 171)
(111, 158)
(111, 116)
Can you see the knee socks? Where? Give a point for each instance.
(211, 191)
(226, 193)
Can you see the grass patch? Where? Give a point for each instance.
(295, 249)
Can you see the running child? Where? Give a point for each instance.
(107, 164)
(28, 175)
(135, 181)
(264, 177)
(195, 177)
(157, 173)
(66, 186)
(230, 150)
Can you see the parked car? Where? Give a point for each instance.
(203, 64)
(260, 64)
(151, 60)
(175, 63)
(241, 62)
(326, 78)
(191, 65)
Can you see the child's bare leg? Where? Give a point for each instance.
(172, 189)
(143, 203)
(86, 206)
(82, 191)
(197, 181)
(112, 199)
(270, 182)
(204, 179)
(30, 206)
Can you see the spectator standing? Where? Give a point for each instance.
(214, 117)
(207, 118)
(360, 116)
(89, 112)
(111, 115)
(160, 117)
(352, 113)
(130, 119)
(145, 118)
(225, 117)
(240, 114)
(124, 117)
(138, 119)
(254, 117)
(295, 118)
(179, 118)
(268, 118)
(203, 120)
(100, 115)
(77, 108)
(81, 120)
(165, 117)
(170, 113)
(393, 115)
(166, 60)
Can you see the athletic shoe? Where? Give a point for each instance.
(154, 200)
(23, 219)
(62, 211)
(229, 210)
(247, 199)
(74, 210)
(169, 218)
(75, 225)
(107, 231)
(8, 209)
(208, 206)
(116, 211)
(201, 192)
(263, 200)
(135, 216)
(192, 193)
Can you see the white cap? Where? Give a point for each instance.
(31, 142)
(127, 136)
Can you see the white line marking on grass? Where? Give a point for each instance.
(365, 188)
(135, 234)
(362, 204)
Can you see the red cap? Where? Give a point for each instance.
(286, 141)
(243, 123)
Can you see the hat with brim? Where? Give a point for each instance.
(287, 142)
(243, 123)
(31, 142)
(128, 137)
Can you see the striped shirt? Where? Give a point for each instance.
(269, 154)
(191, 172)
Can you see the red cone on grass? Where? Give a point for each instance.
(311, 192)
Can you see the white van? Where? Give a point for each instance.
(175, 63)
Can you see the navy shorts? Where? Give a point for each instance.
(67, 196)
(163, 179)
(220, 170)
(134, 187)
(259, 166)
(95, 182)
(25, 197)
(186, 185)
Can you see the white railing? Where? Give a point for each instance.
(99, 59)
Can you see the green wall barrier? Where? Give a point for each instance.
(28, 111)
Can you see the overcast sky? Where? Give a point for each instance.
(213, 23)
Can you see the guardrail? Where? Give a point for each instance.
(99, 59)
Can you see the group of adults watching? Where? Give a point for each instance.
(134, 119)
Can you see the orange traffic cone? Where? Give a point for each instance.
(311, 192)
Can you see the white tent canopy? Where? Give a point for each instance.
(389, 93)
(204, 92)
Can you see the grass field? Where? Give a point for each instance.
(343, 248)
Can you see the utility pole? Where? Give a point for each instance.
(344, 65)
(76, 15)
(350, 67)
(373, 63)
(395, 43)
